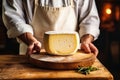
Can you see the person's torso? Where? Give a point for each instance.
(29, 6)
(48, 17)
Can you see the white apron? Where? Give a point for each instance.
(47, 18)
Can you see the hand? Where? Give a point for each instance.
(87, 45)
(34, 45)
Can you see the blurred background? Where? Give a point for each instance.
(108, 42)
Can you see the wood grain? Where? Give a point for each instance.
(16, 67)
(80, 58)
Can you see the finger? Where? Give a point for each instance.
(85, 47)
(37, 47)
(30, 49)
(93, 49)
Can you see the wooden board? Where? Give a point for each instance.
(17, 67)
(80, 58)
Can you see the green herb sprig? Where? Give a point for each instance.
(86, 70)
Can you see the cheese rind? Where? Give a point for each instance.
(61, 43)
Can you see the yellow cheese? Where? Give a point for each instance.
(61, 43)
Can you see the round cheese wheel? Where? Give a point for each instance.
(61, 43)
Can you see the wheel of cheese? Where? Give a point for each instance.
(61, 43)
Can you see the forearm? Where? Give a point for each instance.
(27, 38)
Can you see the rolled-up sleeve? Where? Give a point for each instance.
(89, 19)
(14, 18)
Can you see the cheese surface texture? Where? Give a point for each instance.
(61, 43)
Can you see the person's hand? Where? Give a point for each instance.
(33, 47)
(87, 45)
(33, 44)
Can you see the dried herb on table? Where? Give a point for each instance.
(86, 70)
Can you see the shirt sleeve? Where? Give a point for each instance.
(89, 19)
(13, 18)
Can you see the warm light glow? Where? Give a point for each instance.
(108, 11)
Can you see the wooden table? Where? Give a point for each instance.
(13, 67)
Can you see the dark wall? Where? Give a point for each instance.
(7, 46)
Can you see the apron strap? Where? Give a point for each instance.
(36, 2)
(72, 3)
